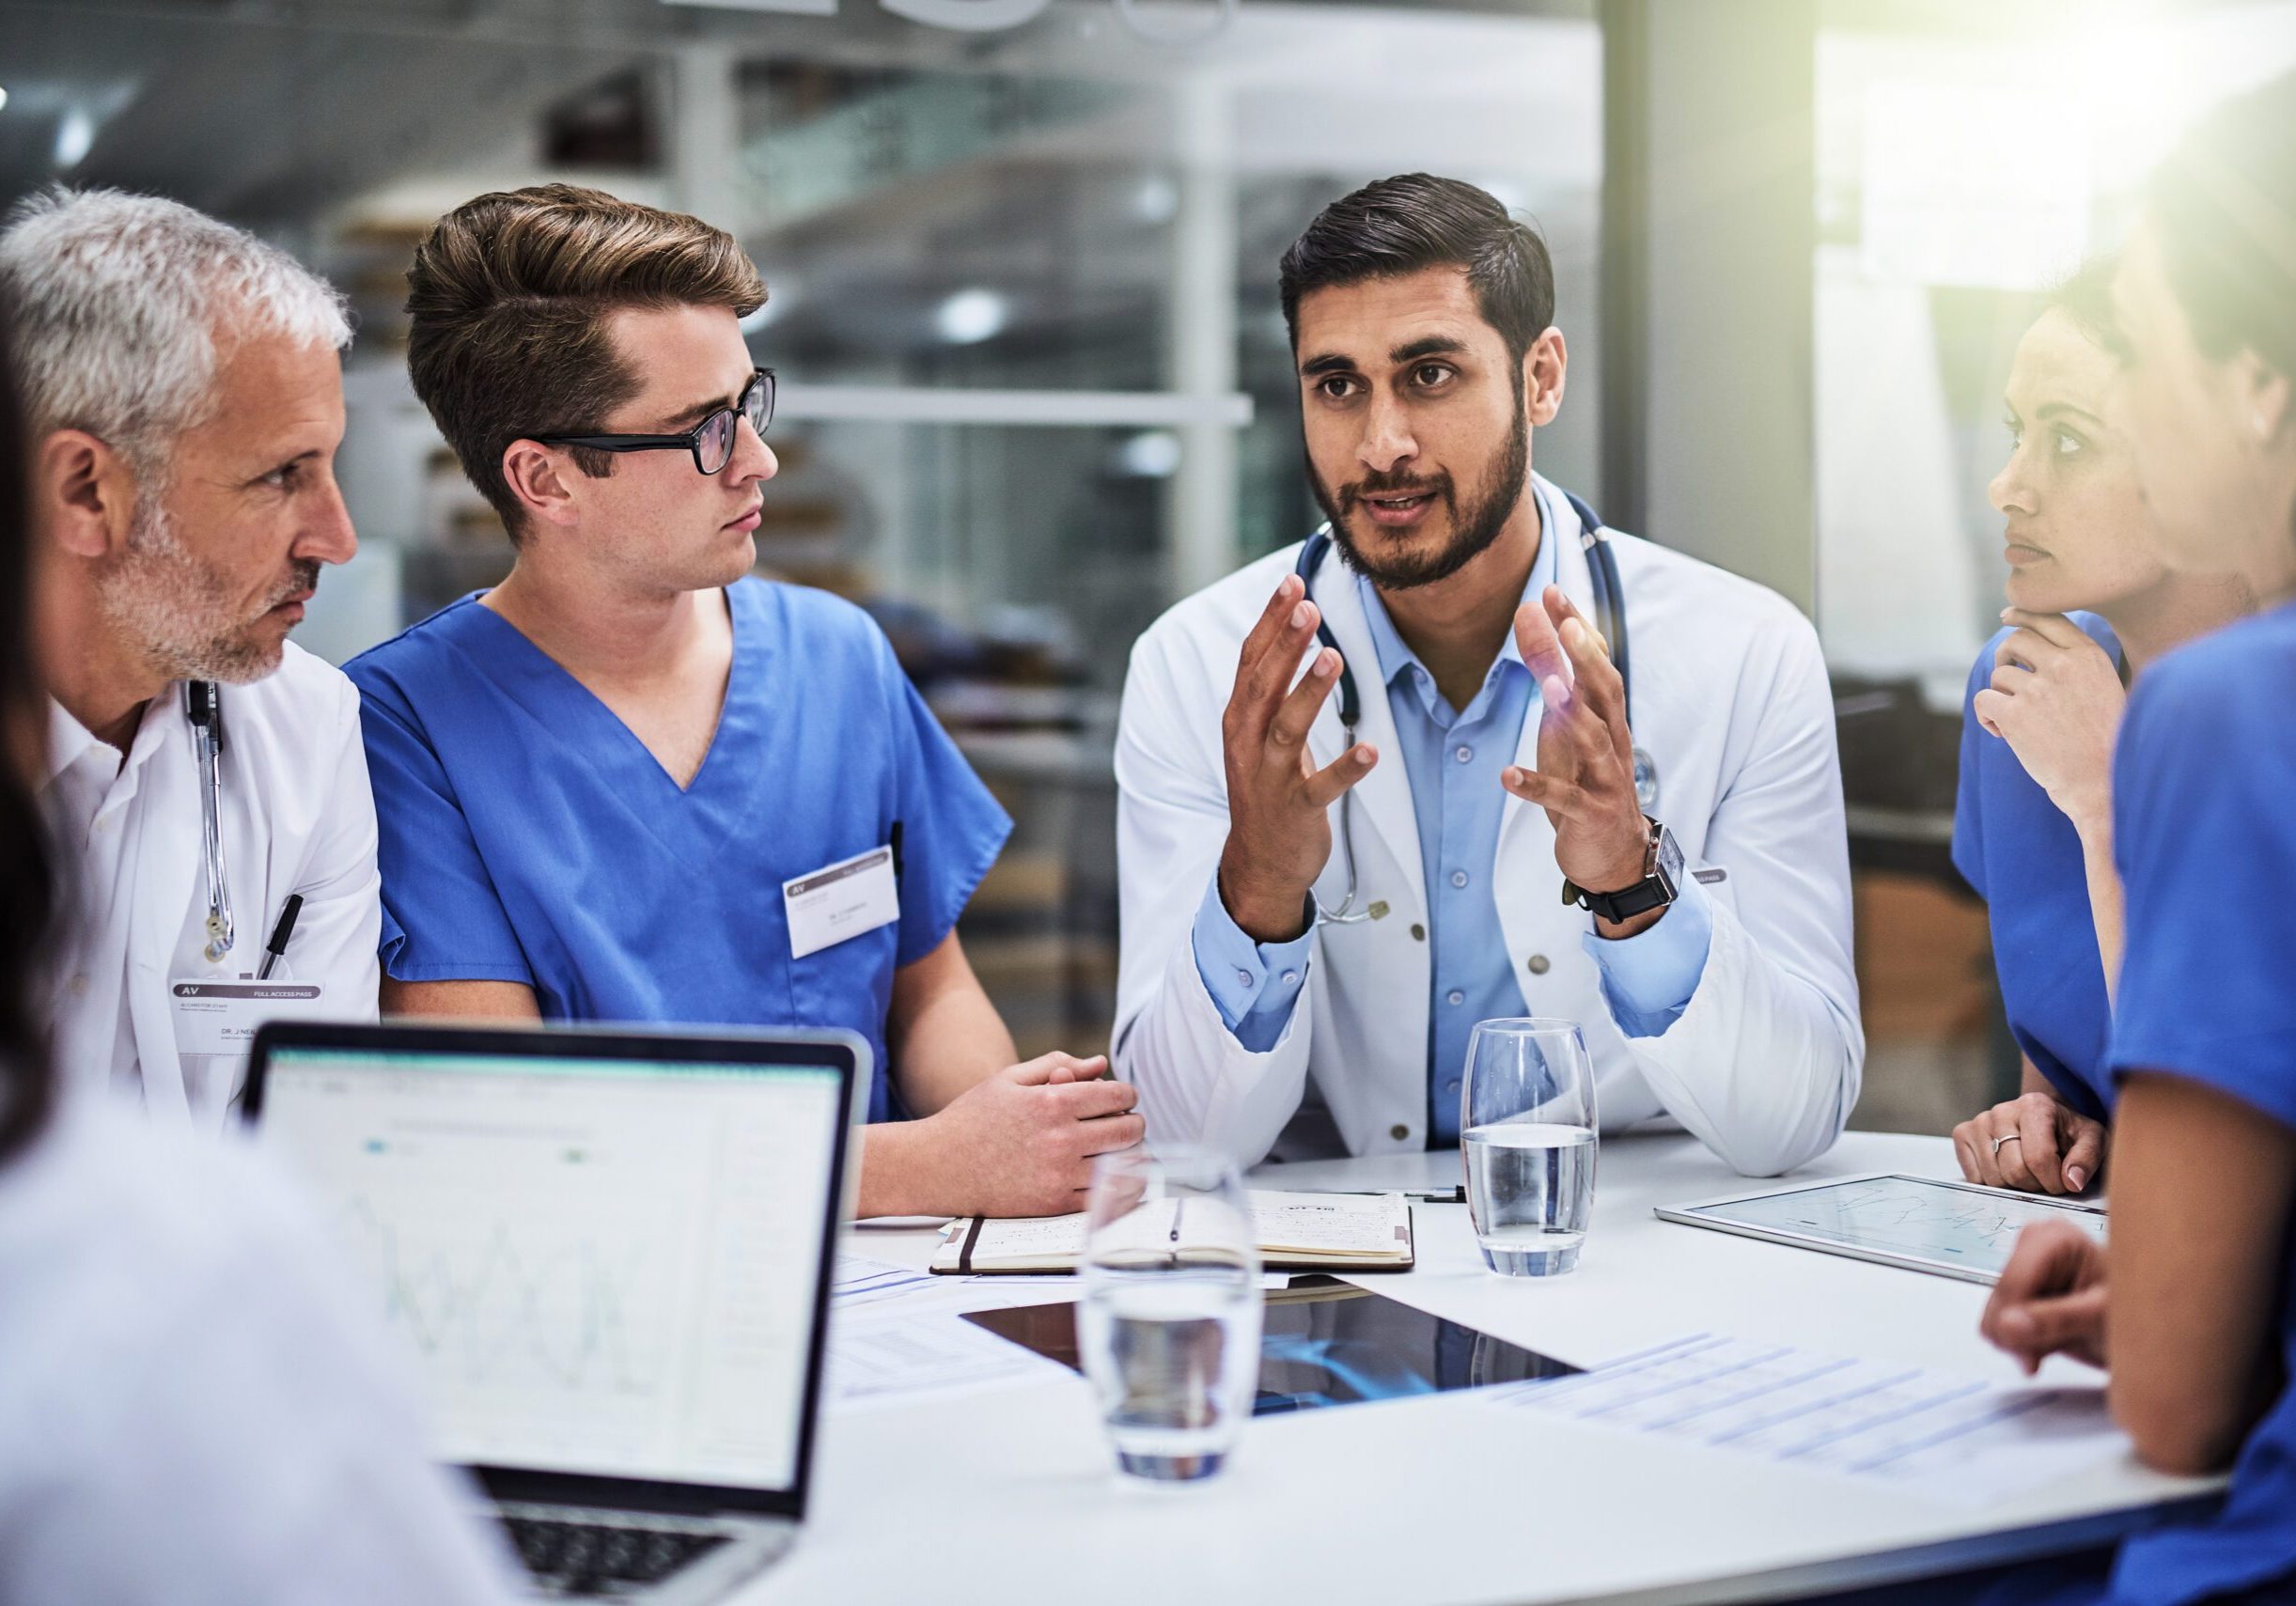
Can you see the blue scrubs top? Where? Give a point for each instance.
(2206, 840)
(528, 837)
(2021, 854)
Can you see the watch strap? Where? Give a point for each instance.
(1655, 890)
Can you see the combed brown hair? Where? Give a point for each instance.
(510, 295)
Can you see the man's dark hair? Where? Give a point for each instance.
(29, 891)
(1415, 221)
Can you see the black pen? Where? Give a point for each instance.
(279, 934)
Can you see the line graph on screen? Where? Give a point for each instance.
(493, 1306)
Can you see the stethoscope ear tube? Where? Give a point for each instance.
(203, 706)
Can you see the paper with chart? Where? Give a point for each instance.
(1968, 1227)
(1958, 1440)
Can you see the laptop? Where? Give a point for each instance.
(610, 1251)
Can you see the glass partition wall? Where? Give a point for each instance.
(1035, 378)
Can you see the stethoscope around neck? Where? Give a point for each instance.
(1610, 618)
(203, 705)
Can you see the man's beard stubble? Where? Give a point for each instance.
(1471, 535)
(178, 609)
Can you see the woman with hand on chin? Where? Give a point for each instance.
(2190, 1304)
(2033, 829)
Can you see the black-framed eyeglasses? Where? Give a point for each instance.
(710, 440)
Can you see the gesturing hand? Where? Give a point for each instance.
(2056, 699)
(2049, 1298)
(1586, 774)
(1278, 835)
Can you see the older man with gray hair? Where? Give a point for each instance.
(183, 387)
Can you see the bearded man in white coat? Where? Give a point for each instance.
(1315, 916)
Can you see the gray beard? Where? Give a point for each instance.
(176, 609)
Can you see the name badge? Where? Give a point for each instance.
(216, 1022)
(221, 1017)
(838, 902)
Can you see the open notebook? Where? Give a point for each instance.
(1297, 1232)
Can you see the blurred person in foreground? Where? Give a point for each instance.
(2091, 604)
(193, 1407)
(634, 782)
(183, 387)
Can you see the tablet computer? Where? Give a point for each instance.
(1952, 1229)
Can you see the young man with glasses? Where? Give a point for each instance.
(632, 782)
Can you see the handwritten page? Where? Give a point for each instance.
(1959, 1439)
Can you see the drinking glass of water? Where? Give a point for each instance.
(1169, 1325)
(1528, 1132)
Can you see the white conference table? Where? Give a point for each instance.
(1012, 1496)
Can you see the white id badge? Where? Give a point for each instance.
(841, 901)
(216, 1022)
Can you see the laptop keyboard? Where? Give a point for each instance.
(599, 1558)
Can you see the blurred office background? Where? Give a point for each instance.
(1035, 383)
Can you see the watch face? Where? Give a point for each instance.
(1669, 866)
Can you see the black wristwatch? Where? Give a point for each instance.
(1661, 883)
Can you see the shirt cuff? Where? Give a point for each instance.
(1649, 977)
(1253, 985)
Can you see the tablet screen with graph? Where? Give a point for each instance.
(1954, 1229)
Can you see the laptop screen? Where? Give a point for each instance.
(606, 1266)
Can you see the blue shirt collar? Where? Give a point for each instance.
(1395, 654)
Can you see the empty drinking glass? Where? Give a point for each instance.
(1169, 1324)
(1527, 1134)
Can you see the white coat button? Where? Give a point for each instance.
(1398, 1133)
(79, 986)
(1536, 964)
(1457, 997)
(1458, 878)
(1418, 932)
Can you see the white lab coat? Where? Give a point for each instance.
(1730, 698)
(297, 818)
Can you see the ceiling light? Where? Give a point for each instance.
(1157, 200)
(3, 99)
(74, 136)
(1152, 453)
(970, 317)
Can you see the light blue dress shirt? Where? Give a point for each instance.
(1454, 759)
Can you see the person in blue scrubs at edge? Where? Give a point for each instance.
(632, 782)
(2190, 1304)
(2033, 830)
